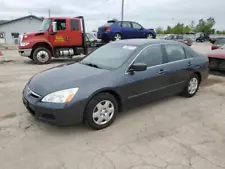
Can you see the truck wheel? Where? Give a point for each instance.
(41, 56)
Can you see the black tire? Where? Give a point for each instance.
(150, 34)
(186, 92)
(88, 116)
(36, 58)
(114, 36)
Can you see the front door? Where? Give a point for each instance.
(151, 83)
(137, 30)
(61, 37)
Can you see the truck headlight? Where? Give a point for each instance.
(24, 44)
(62, 96)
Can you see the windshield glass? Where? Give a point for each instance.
(110, 56)
(220, 42)
(45, 24)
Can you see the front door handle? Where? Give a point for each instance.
(189, 63)
(162, 71)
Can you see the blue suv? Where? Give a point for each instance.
(117, 30)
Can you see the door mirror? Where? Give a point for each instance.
(138, 67)
(54, 27)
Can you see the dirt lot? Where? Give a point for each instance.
(174, 133)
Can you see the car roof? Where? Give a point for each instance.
(142, 42)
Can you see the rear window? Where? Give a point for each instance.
(109, 24)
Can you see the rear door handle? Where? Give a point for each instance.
(162, 71)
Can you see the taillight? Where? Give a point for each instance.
(107, 29)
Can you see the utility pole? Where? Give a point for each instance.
(49, 13)
(122, 10)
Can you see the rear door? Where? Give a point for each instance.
(127, 30)
(178, 66)
(138, 31)
(75, 35)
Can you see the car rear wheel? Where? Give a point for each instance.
(192, 86)
(101, 111)
(41, 55)
(117, 36)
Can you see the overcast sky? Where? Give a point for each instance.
(150, 13)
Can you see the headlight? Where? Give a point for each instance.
(24, 44)
(62, 96)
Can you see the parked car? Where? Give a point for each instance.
(117, 30)
(217, 59)
(180, 38)
(114, 77)
(217, 43)
(202, 37)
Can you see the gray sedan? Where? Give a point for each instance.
(116, 76)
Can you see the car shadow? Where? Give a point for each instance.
(217, 73)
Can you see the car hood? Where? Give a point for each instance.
(217, 53)
(63, 77)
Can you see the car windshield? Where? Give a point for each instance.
(110, 56)
(45, 24)
(220, 42)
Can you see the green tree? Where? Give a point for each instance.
(159, 30)
(205, 26)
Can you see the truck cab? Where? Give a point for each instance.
(57, 37)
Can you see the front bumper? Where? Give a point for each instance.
(52, 113)
(25, 52)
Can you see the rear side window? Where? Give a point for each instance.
(152, 56)
(74, 24)
(174, 52)
(126, 24)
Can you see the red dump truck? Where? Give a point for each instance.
(57, 37)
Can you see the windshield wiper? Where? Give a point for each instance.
(92, 65)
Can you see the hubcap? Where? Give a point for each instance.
(193, 85)
(149, 36)
(42, 56)
(103, 112)
(117, 37)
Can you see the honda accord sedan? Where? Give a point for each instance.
(111, 79)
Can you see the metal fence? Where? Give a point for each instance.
(193, 37)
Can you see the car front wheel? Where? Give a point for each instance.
(101, 111)
(149, 36)
(192, 86)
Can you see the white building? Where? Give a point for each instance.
(10, 30)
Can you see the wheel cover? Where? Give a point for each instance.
(149, 36)
(193, 85)
(117, 37)
(103, 112)
(42, 56)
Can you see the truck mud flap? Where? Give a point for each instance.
(217, 64)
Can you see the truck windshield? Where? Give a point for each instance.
(45, 24)
(110, 56)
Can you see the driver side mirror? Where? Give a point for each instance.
(54, 27)
(137, 67)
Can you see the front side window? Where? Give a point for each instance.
(110, 56)
(174, 52)
(136, 26)
(151, 56)
(61, 24)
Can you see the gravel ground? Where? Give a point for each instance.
(173, 133)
